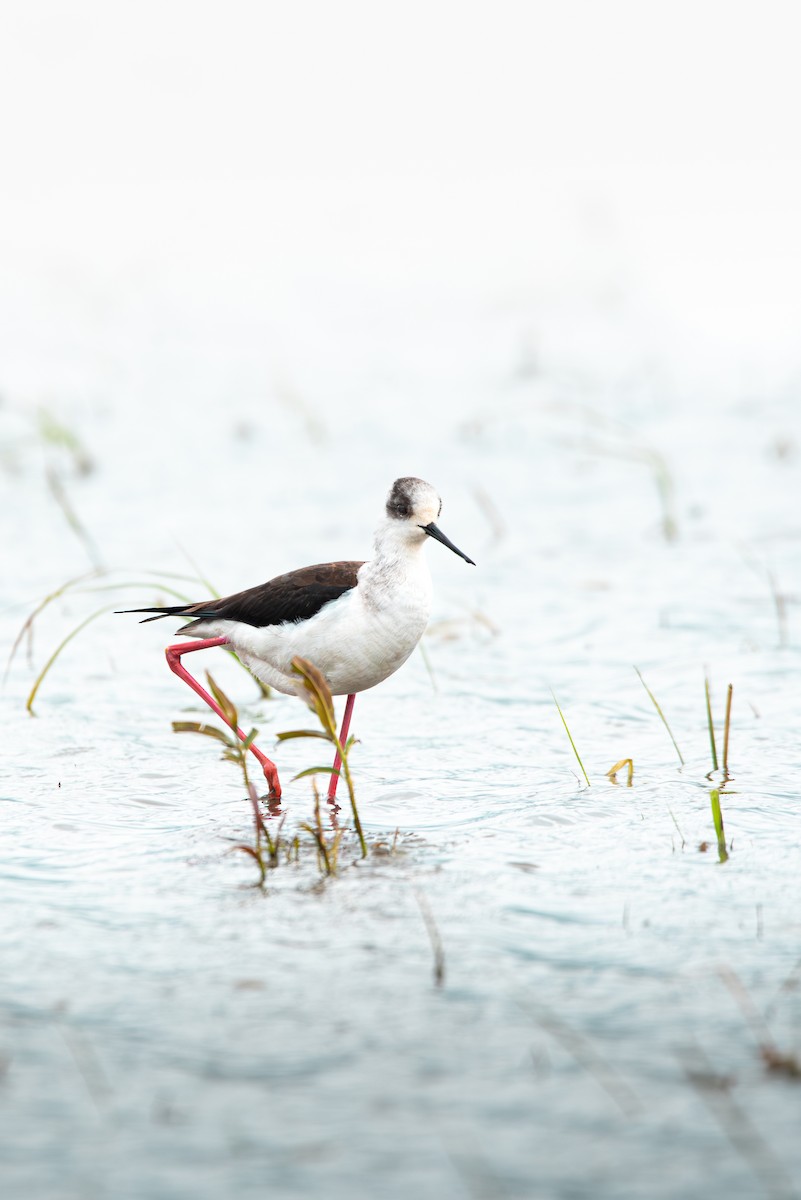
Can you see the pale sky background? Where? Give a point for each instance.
(287, 159)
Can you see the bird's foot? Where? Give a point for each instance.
(271, 775)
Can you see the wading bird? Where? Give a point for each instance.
(356, 621)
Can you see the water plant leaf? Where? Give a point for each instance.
(710, 724)
(321, 702)
(717, 817)
(72, 586)
(327, 852)
(726, 728)
(133, 583)
(572, 743)
(663, 718)
(303, 733)
(624, 762)
(318, 693)
(206, 730)
(29, 620)
(53, 432)
(315, 771)
(678, 829)
(433, 935)
(59, 494)
(247, 850)
(232, 753)
(228, 706)
(198, 573)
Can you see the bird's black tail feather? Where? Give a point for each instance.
(176, 610)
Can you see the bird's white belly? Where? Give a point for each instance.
(355, 643)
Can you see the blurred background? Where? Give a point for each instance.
(224, 209)
(371, 228)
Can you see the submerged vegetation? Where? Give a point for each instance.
(269, 850)
(715, 792)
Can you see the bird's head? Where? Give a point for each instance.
(413, 508)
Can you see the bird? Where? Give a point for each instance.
(357, 622)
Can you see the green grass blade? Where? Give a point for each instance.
(663, 718)
(28, 623)
(711, 725)
(59, 494)
(303, 733)
(717, 817)
(201, 578)
(40, 677)
(135, 583)
(678, 828)
(318, 693)
(315, 771)
(572, 743)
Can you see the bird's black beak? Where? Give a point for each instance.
(434, 532)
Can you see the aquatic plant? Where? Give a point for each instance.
(570, 737)
(615, 439)
(717, 818)
(628, 763)
(775, 1060)
(80, 586)
(327, 852)
(320, 701)
(726, 727)
(65, 452)
(663, 718)
(716, 792)
(710, 725)
(434, 937)
(266, 848)
(54, 433)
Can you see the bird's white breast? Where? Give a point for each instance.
(357, 640)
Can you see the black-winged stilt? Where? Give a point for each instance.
(356, 621)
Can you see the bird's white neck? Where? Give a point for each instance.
(398, 547)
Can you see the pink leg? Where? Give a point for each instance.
(174, 663)
(343, 737)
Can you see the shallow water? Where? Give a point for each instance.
(170, 1030)
(236, 375)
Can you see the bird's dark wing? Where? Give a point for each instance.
(295, 596)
